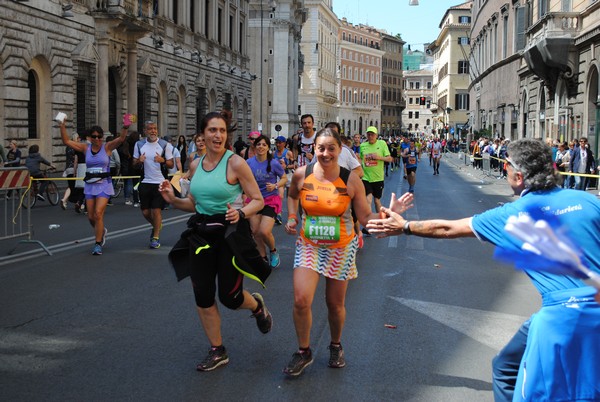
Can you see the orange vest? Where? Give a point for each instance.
(327, 218)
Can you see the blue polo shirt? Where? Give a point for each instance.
(578, 213)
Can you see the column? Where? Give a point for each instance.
(102, 74)
(132, 76)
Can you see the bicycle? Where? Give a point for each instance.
(52, 194)
(118, 185)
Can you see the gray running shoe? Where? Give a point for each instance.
(264, 320)
(300, 361)
(336, 356)
(216, 357)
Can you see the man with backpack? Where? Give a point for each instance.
(155, 157)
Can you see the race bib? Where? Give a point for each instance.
(370, 160)
(412, 160)
(92, 171)
(323, 228)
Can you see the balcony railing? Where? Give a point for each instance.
(555, 24)
(132, 8)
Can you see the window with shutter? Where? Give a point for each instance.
(521, 26)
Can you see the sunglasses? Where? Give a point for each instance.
(512, 163)
(95, 136)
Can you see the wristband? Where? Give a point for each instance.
(242, 214)
(292, 216)
(406, 229)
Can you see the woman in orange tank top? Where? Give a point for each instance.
(327, 243)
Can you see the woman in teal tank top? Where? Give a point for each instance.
(218, 180)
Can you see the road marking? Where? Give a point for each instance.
(85, 242)
(487, 327)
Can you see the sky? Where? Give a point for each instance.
(416, 24)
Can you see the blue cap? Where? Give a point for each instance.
(281, 138)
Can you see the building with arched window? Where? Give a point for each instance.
(362, 55)
(535, 69)
(171, 61)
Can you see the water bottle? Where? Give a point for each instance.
(53, 226)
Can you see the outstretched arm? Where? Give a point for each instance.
(394, 224)
(114, 144)
(77, 146)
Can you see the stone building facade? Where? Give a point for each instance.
(360, 78)
(320, 54)
(558, 78)
(392, 99)
(537, 69)
(171, 61)
(418, 117)
(495, 63)
(450, 50)
(275, 34)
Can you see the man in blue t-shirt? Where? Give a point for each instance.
(557, 350)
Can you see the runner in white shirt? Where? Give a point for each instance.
(151, 153)
(436, 153)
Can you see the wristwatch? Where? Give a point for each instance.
(242, 214)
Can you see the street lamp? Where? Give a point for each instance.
(272, 5)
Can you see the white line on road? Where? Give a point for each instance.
(487, 327)
(85, 242)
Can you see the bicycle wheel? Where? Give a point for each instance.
(52, 193)
(118, 186)
(29, 198)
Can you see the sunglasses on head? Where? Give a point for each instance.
(95, 136)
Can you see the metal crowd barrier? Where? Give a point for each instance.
(487, 169)
(14, 185)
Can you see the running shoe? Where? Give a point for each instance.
(275, 261)
(63, 205)
(264, 320)
(336, 356)
(216, 357)
(97, 250)
(278, 220)
(136, 204)
(152, 231)
(300, 361)
(128, 202)
(104, 237)
(154, 243)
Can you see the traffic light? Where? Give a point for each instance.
(422, 101)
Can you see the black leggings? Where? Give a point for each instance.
(210, 263)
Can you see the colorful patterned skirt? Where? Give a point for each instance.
(334, 263)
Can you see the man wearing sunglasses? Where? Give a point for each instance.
(554, 354)
(152, 153)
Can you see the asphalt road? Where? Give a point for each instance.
(119, 327)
